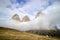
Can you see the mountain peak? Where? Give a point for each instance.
(16, 17)
(38, 14)
(25, 19)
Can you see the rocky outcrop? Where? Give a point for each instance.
(16, 17)
(38, 14)
(25, 19)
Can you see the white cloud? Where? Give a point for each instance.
(53, 13)
(30, 8)
(41, 23)
(46, 22)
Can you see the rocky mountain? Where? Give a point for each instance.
(25, 19)
(16, 17)
(38, 14)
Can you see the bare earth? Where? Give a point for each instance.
(10, 34)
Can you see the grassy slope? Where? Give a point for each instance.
(10, 34)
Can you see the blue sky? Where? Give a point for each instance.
(30, 7)
(22, 7)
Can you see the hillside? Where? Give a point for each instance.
(10, 34)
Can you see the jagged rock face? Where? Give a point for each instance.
(16, 17)
(38, 14)
(25, 19)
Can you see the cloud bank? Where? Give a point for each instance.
(23, 7)
(48, 21)
(45, 22)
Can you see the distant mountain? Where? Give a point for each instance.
(38, 14)
(16, 17)
(25, 19)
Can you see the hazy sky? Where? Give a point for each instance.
(22, 7)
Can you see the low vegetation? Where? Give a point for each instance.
(11, 34)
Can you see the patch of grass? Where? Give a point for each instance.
(11, 34)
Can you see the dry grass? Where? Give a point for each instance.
(10, 34)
